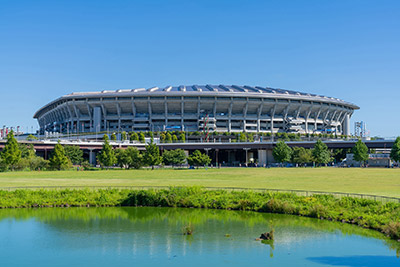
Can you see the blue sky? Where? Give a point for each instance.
(346, 49)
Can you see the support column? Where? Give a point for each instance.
(92, 158)
(262, 157)
(346, 125)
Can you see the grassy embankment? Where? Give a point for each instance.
(372, 181)
(362, 212)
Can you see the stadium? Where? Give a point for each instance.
(220, 108)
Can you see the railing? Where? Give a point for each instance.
(383, 199)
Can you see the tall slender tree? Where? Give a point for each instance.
(142, 138)
(107, 156)
(123, 136)
(11, 153)
(360, 152)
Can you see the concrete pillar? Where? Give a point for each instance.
(346, 125)
(96, 120)
(262, 157)
(92, 158)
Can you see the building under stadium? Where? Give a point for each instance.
(220, 108)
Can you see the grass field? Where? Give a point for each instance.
(350, 180)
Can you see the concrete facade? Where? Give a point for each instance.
(193, 108)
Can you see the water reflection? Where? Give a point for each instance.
(154, 236)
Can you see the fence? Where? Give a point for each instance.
(383, 199)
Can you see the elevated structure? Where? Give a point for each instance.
(219, 108)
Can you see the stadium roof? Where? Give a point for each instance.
(225, 90)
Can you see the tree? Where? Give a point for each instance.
(123, 136)
(142, 138)
(135, 158)
(250, 137)
(174, 138)
(27, 151)
(31, 138)
(29, 160)
(282, 152)
(360, 152)
(395, 152)
(174, 157)
(11, 152)
(107, 156)
(198, 159)
(113, 137)
(168, 138)
(321, 153)
(151, 135)
(74, 153)
(152, 155)
(301, 156)
(134, 136)
(122, 158)
(59, 161)
(162, 137)
(182, 137)
(242, 137)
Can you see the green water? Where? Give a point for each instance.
(153, 236)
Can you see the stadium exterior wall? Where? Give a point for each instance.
(193, 108)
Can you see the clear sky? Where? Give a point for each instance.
(345, 49)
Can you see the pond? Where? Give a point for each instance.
(147, 236)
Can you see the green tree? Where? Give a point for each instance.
(198, 159)
(250, 137)
(301, 155)
(113, 137)
(122, 158)
(182, 137)
(321, 153)
(107, 156)
(31, 138)
(162, 137)
(174, 157)
(134, 136)
(74, 153)
(142, 138)
(123, 136)
(360, 152)
(58, 160)
(168, 137)
(174, 138)
(242, 137)
(152, 155)
(395, 152)
(27, 151)
(151, 135)
(135, 158)
(11, 154)
(282, 152)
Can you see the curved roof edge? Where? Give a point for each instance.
(221, 90)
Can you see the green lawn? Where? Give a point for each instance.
(352, 180)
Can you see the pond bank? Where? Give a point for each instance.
(364, 213)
